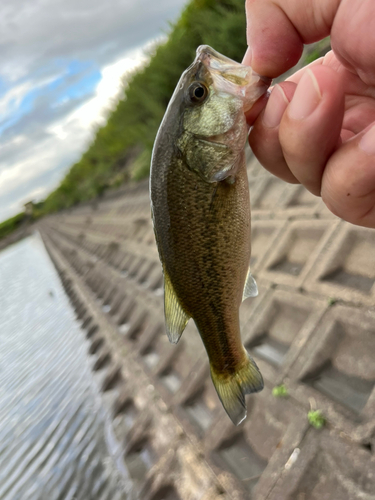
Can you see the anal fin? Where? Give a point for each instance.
(175, 317)
(250, 288)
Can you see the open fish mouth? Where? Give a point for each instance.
(233, 71)
(233, 77)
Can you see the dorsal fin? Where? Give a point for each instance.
(175, 317)
(250, 288)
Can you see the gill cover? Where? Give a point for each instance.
(214, 128)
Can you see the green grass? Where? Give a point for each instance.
(317, 50)
(280, 391)
(9, 225)
(331, 301)
(316, 419)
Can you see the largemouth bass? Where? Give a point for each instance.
(201, 215)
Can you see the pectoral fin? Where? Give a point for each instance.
(250, 288)
(175, 317)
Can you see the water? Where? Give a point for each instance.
(54, 431)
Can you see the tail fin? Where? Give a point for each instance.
(232, 388)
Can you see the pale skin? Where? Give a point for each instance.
(318, 127)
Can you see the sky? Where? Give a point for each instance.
(61, 67)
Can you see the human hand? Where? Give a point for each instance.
(318, 127)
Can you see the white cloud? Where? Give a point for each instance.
(107, 92)
(69, 137)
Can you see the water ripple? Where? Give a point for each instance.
(53, 429)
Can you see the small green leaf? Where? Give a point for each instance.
(331, 301)
(280, 391)
(316, 419)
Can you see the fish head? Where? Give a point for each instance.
(214, 94)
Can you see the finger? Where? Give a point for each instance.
(277, 30)
(353, 38)
(258, 106)
(348, 186)
(253, 113)
(264, 136)
(310, 128)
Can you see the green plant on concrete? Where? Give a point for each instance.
(316, 419)
(331, 301)
(280, 391)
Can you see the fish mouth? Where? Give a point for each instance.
(239, 73)
(233, 77)
(210, 57)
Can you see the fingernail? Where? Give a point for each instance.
(276, 105)
(247, 57)
(367, 143)
(306, 97)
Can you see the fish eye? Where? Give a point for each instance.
(198, 92)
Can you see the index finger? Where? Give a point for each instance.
(278, 29)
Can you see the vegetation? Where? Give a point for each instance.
(331, 301)
(280, 391)
(10, 225)
(316, 419)
(317, 50)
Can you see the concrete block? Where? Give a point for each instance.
(326, 468)
(264, 237)
(298, 329)
(297, 251)
(282, 326)
(249, 458)
(335, 371)
(270, 194)
(346, 270)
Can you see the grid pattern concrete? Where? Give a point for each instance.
(312, 328)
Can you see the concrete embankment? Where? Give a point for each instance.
(311, 328)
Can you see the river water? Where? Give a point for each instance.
(54, 429)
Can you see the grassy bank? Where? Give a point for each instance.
(7, 227)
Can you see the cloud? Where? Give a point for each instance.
(61, 68)
(107, 92)
(45, 30)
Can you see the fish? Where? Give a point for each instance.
(200, 210)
